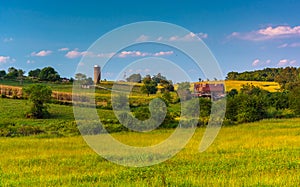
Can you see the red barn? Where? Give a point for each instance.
(208, 90)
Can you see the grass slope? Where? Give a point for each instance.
(265, 153)
(61, 122)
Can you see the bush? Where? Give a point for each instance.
(39, 95)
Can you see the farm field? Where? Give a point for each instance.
(269, 86)
(229, 84)
(234, 84)
(264, 153)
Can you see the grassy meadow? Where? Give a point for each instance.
(51, 152)
(264, 153)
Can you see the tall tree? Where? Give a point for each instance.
(34, 73)
(49, 74)
(149, 86)
(159, 78)
(12, 73)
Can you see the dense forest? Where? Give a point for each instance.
(280, 75)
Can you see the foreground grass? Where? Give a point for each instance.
(265, 153)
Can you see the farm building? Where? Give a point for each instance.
(203, 89)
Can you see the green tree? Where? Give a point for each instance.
(294, 98)
(232, 75)
(287, 76)
(80, 76)
(12, 73)
(49, 74)
(159, 78)
(183, 91)
(2, 74)
(34, 73)
(149, 86)
(83, 80)
(39, 95)
(134, 78)
(167, 97)
(232, 93)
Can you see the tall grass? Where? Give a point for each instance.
(264, 153)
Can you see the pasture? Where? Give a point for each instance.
(264, 153)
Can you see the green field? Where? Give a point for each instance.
(265, 153)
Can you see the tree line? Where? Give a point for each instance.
(150, 84)
(280, 75)
(45, 74)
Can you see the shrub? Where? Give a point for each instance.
(39, 95)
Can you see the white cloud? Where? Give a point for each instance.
(75, 54)
(202, 35)
(159, 38)
(186, 38)
(282, 62)
(293, 62)
(6, 59)
(258, 62)
(255, 62)
(268, 33)
(124, 54)
(163, 53)
(105, 55)
(296, 44)
(41, 53)
(280, 31)
(285, 62)
(10, 39)
(189, 37)
(142, 38)
(64, 49)
(283, 45)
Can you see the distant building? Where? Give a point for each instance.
(97, 74)
(214, 91)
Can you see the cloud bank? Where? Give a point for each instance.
(6, 59)
(268, 33)
(42, 53)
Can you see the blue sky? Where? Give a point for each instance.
(242, 35)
